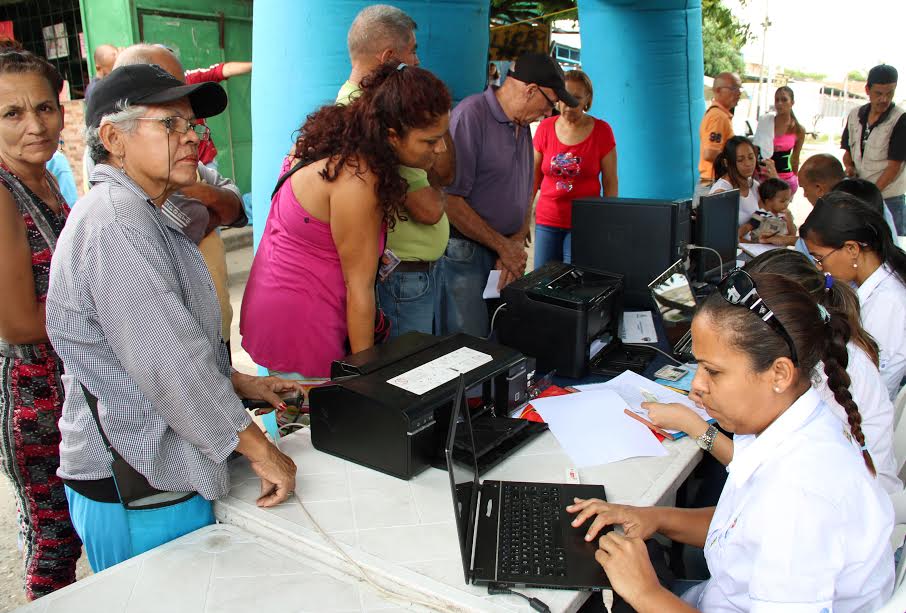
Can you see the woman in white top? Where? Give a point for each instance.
(866, 386)
(801, 524)
(851, 241)
(734, 168)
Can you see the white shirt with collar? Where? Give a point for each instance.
(870, 394)
(801, 526)
(883, 301)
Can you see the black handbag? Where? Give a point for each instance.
(131, 485)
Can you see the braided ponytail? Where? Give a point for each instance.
(836, 360)
(819, 334)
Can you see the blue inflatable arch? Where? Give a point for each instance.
(644, 58)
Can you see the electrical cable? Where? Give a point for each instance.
(714, 251)
(493, 319)
(436, 605)
(663, 353)
(535, 603)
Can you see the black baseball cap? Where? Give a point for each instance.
(542, 70)
(150, 84)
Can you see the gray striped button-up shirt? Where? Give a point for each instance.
(133, 314)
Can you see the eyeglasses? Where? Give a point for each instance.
(182, 125)
(549, 101)
(733, 89)
(819, 260)
(738, 288)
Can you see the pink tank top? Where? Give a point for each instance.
(293, 315)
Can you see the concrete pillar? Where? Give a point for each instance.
(300, 56)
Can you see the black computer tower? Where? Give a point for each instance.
(636, 238)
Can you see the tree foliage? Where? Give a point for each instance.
(804, 75)
(856, 75)
(723, 38)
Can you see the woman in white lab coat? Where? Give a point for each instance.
(801, 524)
(866, 385)
(852, 242)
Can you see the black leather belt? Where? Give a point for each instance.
(413, 266)
(454, 233)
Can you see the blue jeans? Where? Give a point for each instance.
(113, 534)
(552, 245)
(461, 275)
(408, 299)
(897, 206)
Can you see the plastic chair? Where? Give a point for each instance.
(898, 404)
(899, 442)
(897, 602)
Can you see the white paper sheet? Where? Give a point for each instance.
(638, 327)
(629, 386)
(593, 429)
(438, 371)
(490, 288)
(756, 249)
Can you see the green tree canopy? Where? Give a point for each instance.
(856, 75)
(723, 38)
(804, 75)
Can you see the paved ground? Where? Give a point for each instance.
(239, 262)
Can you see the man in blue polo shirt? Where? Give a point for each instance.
(489, 202)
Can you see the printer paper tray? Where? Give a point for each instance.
(492, 451)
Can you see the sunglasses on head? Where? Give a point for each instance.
(738, 288)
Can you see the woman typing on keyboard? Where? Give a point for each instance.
(801, 524)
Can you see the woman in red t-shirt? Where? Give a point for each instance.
(574, 155)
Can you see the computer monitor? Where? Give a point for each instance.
(636, 238)
(676, 302)
(715, 226)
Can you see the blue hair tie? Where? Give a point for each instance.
(402, 65)
(864, 448)
(828, 281)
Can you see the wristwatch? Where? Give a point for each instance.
(706, 440)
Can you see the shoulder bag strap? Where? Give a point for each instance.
(286, 176)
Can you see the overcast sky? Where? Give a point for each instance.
(827, 36)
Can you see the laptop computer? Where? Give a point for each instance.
(518, 533)
(676, 303)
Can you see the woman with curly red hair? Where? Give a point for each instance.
(310, 293)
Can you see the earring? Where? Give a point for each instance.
(776, 390)
(855, 265)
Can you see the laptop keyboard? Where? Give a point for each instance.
(530, 532)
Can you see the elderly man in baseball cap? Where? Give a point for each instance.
(489, 202)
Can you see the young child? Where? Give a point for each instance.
(772, 223)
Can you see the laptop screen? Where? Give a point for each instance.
(675, 300)
(463, 477)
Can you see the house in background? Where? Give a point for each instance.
(201, 32)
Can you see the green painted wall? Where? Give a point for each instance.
(192, 28)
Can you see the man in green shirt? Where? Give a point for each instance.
(409, 295)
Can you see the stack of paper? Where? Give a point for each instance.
(629, 386)
(593, 429)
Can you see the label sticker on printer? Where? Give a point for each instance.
(435, 373)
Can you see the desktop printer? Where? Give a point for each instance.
(561, 315)
(388, 407)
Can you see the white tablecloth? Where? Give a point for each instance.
(403, 532)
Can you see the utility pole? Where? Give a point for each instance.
(764, 36)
